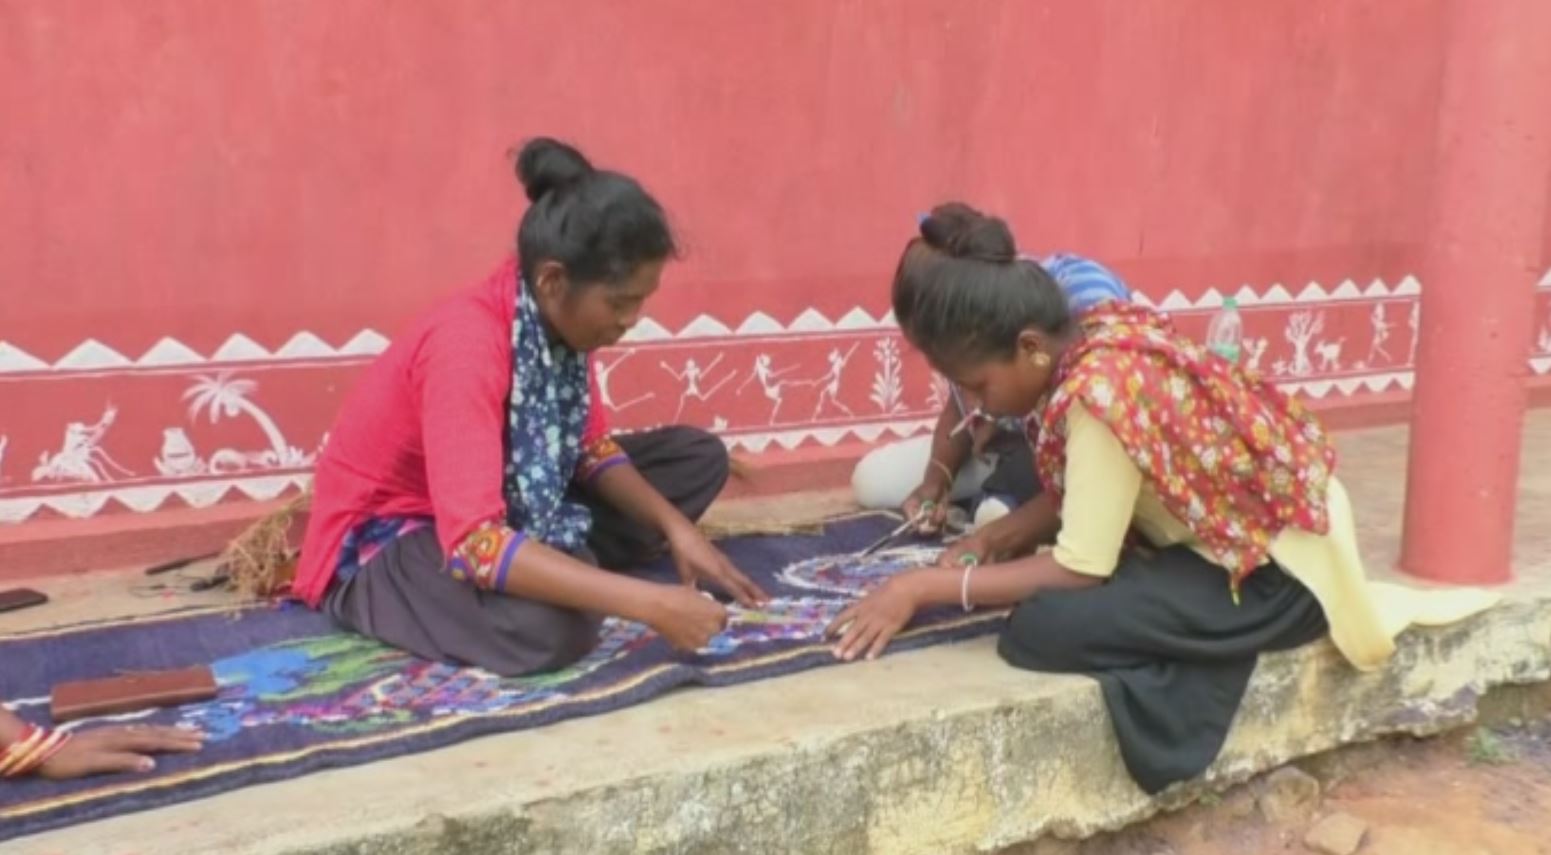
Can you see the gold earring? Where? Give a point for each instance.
(1041, 359)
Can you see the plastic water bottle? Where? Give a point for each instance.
(1225, 336)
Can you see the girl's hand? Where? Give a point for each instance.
(867, 626)
(931, 500)
(119, 749)
(972, 548)
(699, 561)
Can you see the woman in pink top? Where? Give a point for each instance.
(470, 495)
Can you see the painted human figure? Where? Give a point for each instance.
(601, 370)
(769, 382)
(830, 382)
(691, 377)
(1416, 329)
(1381, 328)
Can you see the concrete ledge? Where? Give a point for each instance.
(945, 750)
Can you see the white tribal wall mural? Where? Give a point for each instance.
(175, 427)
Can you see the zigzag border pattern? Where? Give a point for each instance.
(1348, 385)
(148, 497)
(858, 320)
(92, 356)
(790, 439)
(1277, 295)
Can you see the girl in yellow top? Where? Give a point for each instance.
(1199, 519)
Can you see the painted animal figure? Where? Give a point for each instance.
(1329, 354)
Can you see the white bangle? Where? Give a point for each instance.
(969, 567)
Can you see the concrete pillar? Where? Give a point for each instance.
(1482, 259)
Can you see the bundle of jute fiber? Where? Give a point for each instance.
(261, 561)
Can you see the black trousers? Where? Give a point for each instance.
(1170, 649)
(404, 598)
(1013, 477)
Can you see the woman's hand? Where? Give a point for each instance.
(119, 749)
(684, 617)
(867, 626)
(699, 561)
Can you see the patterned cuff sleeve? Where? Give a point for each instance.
(484, 558)
(600, 455)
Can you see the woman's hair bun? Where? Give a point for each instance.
(960, 231)
(545, 165)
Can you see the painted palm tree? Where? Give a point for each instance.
(225, 396)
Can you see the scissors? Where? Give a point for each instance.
(903, 528)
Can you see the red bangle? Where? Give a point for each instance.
(59, 739)
(10, 758)
(32, 749)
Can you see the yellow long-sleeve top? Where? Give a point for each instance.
(1106, 494)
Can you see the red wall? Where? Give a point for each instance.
(172, 169)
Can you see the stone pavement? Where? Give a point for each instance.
(943, 750)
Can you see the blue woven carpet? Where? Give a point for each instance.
(298, 696)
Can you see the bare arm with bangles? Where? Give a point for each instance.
(867, 626)
(1102, 489)
(27, 749)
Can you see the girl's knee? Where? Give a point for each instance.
(991, 509)
(573, 638)
(710, 456)
(1043, 634)
(527, 637)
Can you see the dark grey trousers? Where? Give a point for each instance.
(403, 597)
(1170, 649)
